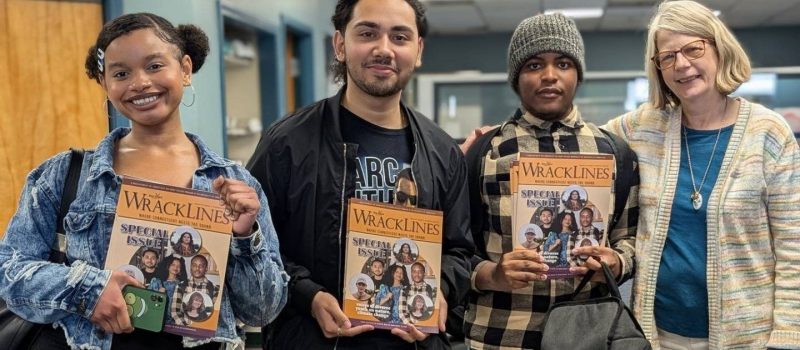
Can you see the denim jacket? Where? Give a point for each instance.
(66, 295)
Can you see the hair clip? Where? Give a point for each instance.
(100, 59)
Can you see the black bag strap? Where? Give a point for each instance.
(624, 159)
(613, 288)
(474, 168)
(58, 252)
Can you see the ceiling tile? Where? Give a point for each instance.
(566, 4)
(721, 5)
(505, 15)
(633, 2)
(470, 16)
(627, 17)
(790, 16)
(526, 7)
(456, 17)
(755, 13)
(588, 24)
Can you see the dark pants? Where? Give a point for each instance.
(302, 332)
(53, 339)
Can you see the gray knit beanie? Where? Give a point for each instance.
(544, 33)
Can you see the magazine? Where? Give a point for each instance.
(174, 240)
(561, 201)
(392, 266)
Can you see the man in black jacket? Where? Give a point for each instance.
(353, 145)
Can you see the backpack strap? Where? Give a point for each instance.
(58, 252)
(474, 157)
(625, 159)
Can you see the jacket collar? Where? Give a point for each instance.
(103, 160)
(334, 103)
(425, 194)
(573, 120)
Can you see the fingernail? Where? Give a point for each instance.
(546, 268)
(543, 277)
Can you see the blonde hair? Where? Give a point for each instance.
(691, 18)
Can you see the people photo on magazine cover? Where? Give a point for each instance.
(531, 237)
(197, 306)
(420, 307)
(573, 198)
(186, 241)
(388, 298)
(146, 259)
(556, 245)
(170, 273)
(362, 287)
(405, 251)
(374, 267)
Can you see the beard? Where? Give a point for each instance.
(376, 87)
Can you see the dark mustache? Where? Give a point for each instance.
(380, 61)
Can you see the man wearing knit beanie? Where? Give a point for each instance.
(544, 33)
(511, 292)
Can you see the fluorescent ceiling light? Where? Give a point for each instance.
(716, 12)
(578, 12)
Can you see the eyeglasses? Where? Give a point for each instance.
(691, 51)
(403, 197)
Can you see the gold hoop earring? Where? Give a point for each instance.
(193, 97)
(105, 107)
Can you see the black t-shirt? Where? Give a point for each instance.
(148, 276)
(382, 154)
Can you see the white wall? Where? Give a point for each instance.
(315, 14)
(205, 117)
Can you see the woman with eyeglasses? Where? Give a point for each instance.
(718, 250)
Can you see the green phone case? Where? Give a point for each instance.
(146, 308)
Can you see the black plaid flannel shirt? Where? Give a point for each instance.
(500, 320)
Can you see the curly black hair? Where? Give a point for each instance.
(344, 13)
(189, 39)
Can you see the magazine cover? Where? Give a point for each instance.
(174, 240)
(562, 201)
(392, 266)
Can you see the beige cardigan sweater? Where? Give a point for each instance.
(753, 267)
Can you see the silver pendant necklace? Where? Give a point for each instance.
(696, 196)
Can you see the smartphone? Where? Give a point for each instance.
(146, 308)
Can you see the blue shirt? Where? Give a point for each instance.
(396, 291)
(562, 248)
(43, 292)
(681, 302)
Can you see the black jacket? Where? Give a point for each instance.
(308, 173)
